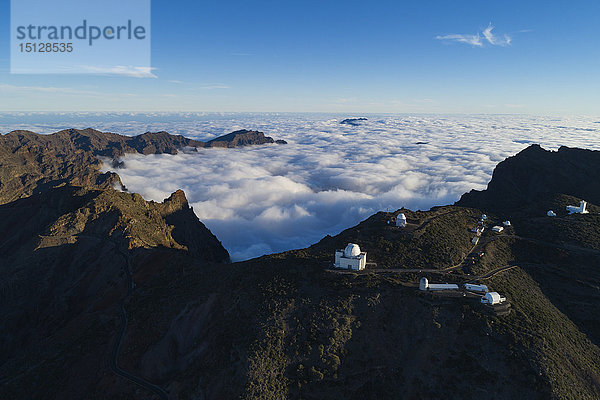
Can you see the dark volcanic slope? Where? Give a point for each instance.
(426, 242)
(284, 326)
(64, 258)
(535, 176)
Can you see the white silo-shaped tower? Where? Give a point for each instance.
(401, 220)
(583, 207)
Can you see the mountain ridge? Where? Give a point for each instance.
(567, 171)
(30, 161)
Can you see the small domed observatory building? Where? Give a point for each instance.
(401, 220)
(492, 298)
(350, 258)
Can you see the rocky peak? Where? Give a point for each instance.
(175, 202)
(534, 175)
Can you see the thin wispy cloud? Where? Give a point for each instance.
(6, 88)
(124, 70)
(473, 40)
(214, 86)
(493, 39)
(486, 36)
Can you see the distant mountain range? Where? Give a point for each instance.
(31, 162)
(105, 295)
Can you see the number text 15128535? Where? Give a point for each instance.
(46, 47)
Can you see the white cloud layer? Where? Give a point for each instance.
(272, 198)
(329, 177)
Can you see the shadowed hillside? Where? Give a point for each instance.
(531, 180)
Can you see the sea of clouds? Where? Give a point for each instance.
(271, 198)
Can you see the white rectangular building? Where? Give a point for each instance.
(476, 288)
(582, 209)
(350, 258)
(424, 285)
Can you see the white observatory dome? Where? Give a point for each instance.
(352, 250)
(401, 220)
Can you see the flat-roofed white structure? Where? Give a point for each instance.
(506, 223)
(476, 288)
(425, 285)
(350, 258)
(492, 298)
(401, 220)
(498, 229)
(578, 210)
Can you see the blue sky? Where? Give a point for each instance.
(342, 56)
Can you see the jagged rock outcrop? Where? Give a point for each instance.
(189, 230)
